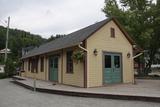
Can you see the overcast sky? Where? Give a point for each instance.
(51, 17)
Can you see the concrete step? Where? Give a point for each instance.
(92, 95)
(17, 78)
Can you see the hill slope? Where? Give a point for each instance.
(19, 39)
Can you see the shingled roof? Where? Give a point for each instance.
(69, 40)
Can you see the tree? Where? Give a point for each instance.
(154, 22)
(55, 37)
(18, 39)
(141, 19)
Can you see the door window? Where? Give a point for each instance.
(116, 61)
(51, 63)
(107, 61)
(56, 63)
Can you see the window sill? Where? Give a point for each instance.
(69, 72)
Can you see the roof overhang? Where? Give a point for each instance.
(32, 55)
(131, 41)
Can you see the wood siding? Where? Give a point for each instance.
(76, 78)
(102, 41)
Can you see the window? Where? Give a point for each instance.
(32, 65)
(107, 61)
(23, 65)
(29, 64)
(42, 64)
(112, 32)
(69, 62)
(36, 64)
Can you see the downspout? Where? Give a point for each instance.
(134, 82)
(85, 65)
(137, 55)
(82, 47)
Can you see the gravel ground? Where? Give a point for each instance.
(12, 95)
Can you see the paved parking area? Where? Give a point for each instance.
(12, 95)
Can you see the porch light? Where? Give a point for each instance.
(95, 52)
(134, 46)
(128, 55)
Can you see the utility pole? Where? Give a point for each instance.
(5, 58)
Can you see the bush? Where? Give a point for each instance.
(10, 68)
(2, 75)
(78, 56)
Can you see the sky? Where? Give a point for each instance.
(51, 17)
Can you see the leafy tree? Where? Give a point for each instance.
(18, 39)
(141, 19)
(10, 68)
(55, 37)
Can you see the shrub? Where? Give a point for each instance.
(78, 56)
(2, 75)
(10, 67)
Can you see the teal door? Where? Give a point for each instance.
(112, 68)
(53, 68)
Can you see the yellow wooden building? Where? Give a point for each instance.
(96, 55)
